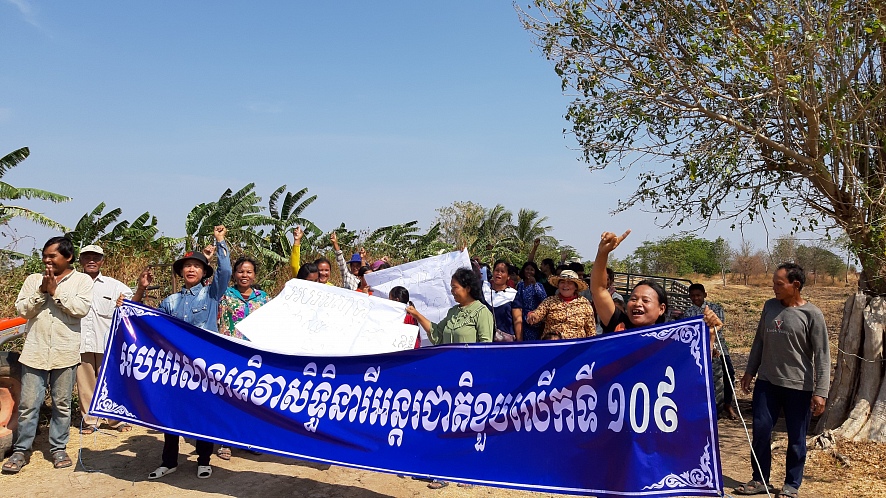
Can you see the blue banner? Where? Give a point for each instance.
(627, 414)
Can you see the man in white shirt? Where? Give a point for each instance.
(94, 328)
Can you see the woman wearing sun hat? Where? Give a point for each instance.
(565, 313)
(196, 304)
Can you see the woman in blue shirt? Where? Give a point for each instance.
(196, 304)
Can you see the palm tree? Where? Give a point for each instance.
(494, 235)
(283, 218)
(528, 228)
(239, 211)
(10, 193)
(92, 226)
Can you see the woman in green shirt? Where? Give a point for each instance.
(470, 321)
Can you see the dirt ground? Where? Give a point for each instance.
(114, 464)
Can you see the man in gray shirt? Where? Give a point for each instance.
(792, 361)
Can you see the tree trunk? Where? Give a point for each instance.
(858, 424)
(846, 374)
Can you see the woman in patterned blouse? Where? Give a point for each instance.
(241, 299)
(238, 301)
(566, 313)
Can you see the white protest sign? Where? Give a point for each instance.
(428, 283)
(309, 318)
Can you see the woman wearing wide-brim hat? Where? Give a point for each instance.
(566, 313)
(196, 304)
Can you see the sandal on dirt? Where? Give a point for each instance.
(61, 460)
(161, 471)
(224, 452)
(124, 428)
(15, 463)
(788, 492)
(435, 484)
(464, 485)
(754, 488)
(204, 471)
(89, 429)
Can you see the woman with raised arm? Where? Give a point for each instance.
(196, 304)
(647, 304)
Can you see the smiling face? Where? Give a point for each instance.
(244, 276)
(461, 294)
(91, 263)
(324, 272)
(192, 272)
(643, 307)
(55, 259)
(566, 287)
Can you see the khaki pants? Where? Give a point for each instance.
(87, 373)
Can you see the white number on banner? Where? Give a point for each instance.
(664, 409)
(617, 407)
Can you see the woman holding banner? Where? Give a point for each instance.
(469, 321)
(196, 304)
(647, 305)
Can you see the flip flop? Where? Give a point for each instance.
(435, 484)
(89, 429)
(224, 452)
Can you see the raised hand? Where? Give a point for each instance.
(297, 234)
(609, 241)
(334, 239)
(220, 232)
(146, 278)
(208, 251)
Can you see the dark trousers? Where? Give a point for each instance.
(170, 451)
(729, 382)
(769, 401)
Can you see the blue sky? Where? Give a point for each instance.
(384, 110)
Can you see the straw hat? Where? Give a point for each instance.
(570, 276)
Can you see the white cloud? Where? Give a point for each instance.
(26, 10)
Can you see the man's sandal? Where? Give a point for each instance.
(788, 492)
(224, 452)
(754, 488)
(124, 428)
(61, 460)
(89, 429)
(15, 463)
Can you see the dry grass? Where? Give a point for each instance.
(823, 473)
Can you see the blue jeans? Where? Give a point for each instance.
(769, 401)
(34, 383)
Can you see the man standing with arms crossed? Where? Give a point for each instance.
(792, 361)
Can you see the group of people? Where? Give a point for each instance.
(69, 314)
